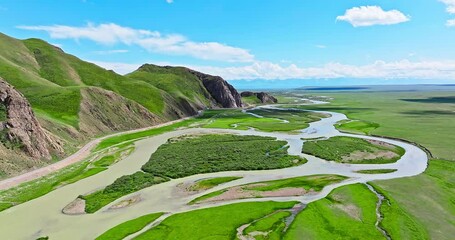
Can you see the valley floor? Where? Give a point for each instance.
(386, 209)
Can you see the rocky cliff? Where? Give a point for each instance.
(21, 129)
(223, 92)
(261, 96)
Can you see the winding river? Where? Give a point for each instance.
(43, 216)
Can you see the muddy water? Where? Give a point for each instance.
(43, 217)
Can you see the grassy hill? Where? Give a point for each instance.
(76, 100)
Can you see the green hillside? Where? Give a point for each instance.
(77, 100)
(178, 82)
(51, 80)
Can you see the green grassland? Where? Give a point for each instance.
(223, 222)
(111, 141)
(349, 212)
(251, 100)
(272, 120)
(125, 229)
(422, 117)
(180, 158)
(227, 119)
(428, 199)
(356, 126)
(313, 183)
(273, 225)
(205, 184)
(335, 148)
(177, 82)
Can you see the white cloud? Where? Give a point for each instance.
(450, 5)
(372, 15)
(376, 70)
(403, 69)
(169, 1)
(321, 46)
(153, 41)
(450, 23)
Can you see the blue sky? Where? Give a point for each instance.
(327, 42)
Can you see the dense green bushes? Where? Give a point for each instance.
(338, 148)
(216, 153)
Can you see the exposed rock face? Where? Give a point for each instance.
(223, 92)
(22, 128)
(266, 98)
(103, 111)
(262, 96)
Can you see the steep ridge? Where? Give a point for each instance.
(223, 92)
(195, 89)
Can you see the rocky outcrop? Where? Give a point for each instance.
(103, 112)
(223, 92)
(21, 129)
(266, 98)
(262, 96)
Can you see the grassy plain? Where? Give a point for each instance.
(271, 120)
(109, 142)
(352, 150)
(125, 229)
(356, 126)
(211, 182)
(422, 117)
(427, 198)
(272, 225)
(223, 222)
(314, 182)
(349, 212)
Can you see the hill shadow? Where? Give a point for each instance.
(450, 99)
(429, 112)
